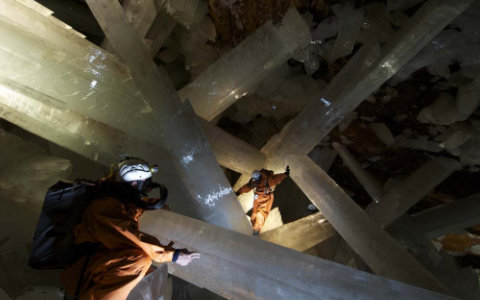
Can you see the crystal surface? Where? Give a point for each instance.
(105, 97)
(259, 54)
(186, 12)
(369, 183)
(363, 75)
(382, 132)
(404, 194)
(302, 234)
(376, 25)
(349, 31)
(421, 143)
(227, 268)
(371, 242)
(449, 218)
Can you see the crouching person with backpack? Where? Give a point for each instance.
(120, 254)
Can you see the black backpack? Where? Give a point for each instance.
(53, 242)
(63, 207)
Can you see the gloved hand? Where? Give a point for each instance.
(185, 258)
(287, 171)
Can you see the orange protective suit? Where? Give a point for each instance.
(122, 254)
(263, 199)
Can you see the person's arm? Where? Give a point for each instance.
(278, 178)
(110, 223)
(245, 188)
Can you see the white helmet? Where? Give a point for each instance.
(134, 169)
(256, 175)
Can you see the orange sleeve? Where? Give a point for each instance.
(245, 189)
(276, 179)
(109, 222)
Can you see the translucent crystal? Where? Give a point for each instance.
(349, 31)
(362, 75)
(450, 45)
(104, 144)
(117, 103)
(449, 218)
(441, 112)
(323, 157)
(371, 242)
(301, 234)
(241, 266)
(141, 14)
(375, 25)
(259, 54)
(404, 194)
(369, 183)
(420, 143)
(457, 135)
(326, 29)
(192, 43)
(186, 12)
(382, 132)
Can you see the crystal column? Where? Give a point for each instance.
(241, 266)
(451, 218)
(237, 72)
(406, 193)
(328, 108)
(381, 253)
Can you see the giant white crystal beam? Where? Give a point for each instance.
(369, 183)
(150, 21)
(87, 137)
(237, 72)
(301, 234)
(231, 152)
(450, 45)
(84, 72)
(26, 108)
(179, 127)
(341, 97)
(63, 77)
(64, 46)
(450, 218)
(243, 266)
(76, 86)
(379, 251)
(401, 196)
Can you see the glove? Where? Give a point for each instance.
(287, 171)
(185, 258)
